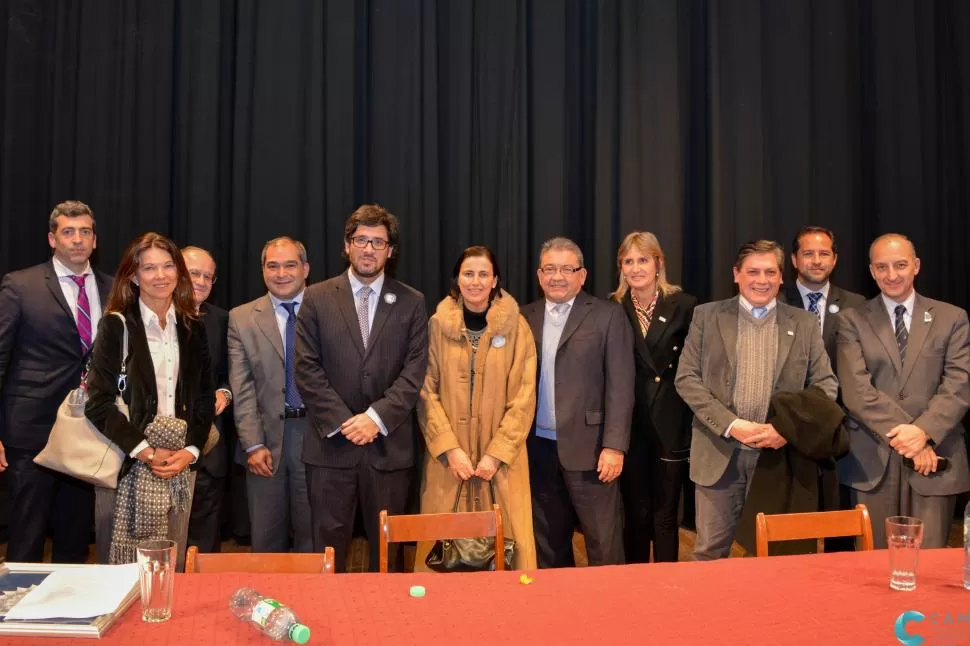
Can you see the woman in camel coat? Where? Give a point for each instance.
(478, 402)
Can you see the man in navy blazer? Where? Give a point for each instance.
(361, 357)
(49, 314)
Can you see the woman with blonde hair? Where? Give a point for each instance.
(478, 401)
(656, 463)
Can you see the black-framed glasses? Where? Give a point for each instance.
(196, 275)
(567, 270)
(361, 242)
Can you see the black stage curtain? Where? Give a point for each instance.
(224, 123)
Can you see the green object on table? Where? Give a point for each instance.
(417, 591)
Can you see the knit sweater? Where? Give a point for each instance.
(756, 353)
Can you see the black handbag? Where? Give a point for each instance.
(468, 554)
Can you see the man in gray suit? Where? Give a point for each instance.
(738, 353)
(814, 255)
(269, 413)
(903, 363)
(583, 413)
(361, 359)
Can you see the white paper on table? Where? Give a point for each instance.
(78, 592)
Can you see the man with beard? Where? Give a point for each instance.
(814, 254)
(269, 413)
(210, 480)
(361, 361)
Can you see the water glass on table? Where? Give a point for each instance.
(156, 567)
(904, 535)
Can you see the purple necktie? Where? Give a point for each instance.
(83, 314)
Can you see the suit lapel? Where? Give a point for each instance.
(639, 342)
(535, 317)
(828, 317)
(918, 331)
(577, 313)
(786, 337)
(104, 288)
(266, 321)
(54, 284)
(383, 311)
(727, 323)
(879, 320)
(347, 307)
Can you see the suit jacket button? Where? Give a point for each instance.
(670, 366)
(283, 416)
(902, 395)
(283, 390)
(657, 379)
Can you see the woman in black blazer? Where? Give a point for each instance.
(169, 393)
(657, 460)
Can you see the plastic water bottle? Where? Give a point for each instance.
(966, 547)
(269, 615)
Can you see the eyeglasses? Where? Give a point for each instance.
(377, 243)
(196, 275)
(567, 270)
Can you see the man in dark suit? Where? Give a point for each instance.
(903, 364)
(813, 257)
(584, 405)
(271, 419)
(210, 481)
(738, 353)
(362, 353)
(49, 314)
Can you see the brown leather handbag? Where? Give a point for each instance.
(468, 554)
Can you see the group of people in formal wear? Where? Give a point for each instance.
(570, 411)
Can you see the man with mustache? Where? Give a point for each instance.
(738, 353)
(270, 416)
(49, 315)
(903, 364)
(584, 405)
(361, 361)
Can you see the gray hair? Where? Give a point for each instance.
(561, 243)
(300, 249)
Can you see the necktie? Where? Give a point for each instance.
(759, 312)
(83, 314)
(363, 312)
(902, 336)
(293, 399)
(559, 314)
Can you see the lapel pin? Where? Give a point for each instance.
(927, 317)
(498, 341)
(662, 319)
(790, 333)
(390, 299)
(833, 309)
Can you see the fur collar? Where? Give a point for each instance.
(501, 319)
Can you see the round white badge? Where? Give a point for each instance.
(833, 309)
(390, 299)
(498, 341)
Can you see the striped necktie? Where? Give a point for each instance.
(902, 336)
(83, 314)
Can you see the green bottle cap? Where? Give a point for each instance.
(299, 633)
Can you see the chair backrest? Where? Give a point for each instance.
(432, 527)
(818, 525)
(259, 562)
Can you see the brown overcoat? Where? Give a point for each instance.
(495, 419)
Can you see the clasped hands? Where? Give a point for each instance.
(909, 441)
(165, 463)
(460, 465)
(759, 436)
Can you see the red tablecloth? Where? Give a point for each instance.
(829, 598)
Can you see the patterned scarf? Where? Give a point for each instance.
(144, 499)
(644, 314)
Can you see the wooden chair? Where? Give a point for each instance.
(432, 527)
(259, 562)
(819, 525)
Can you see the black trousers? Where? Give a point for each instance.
(560, 498)
(44, 501)
(651, 483)
(205, 522)
(335, 495)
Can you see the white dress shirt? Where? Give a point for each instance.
(377, 285)
(70, 290)
(822, 302)
(890, 305)
(163, 346)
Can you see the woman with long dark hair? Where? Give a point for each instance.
(657, 460)
(169, 393)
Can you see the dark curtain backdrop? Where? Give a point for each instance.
(225, 123)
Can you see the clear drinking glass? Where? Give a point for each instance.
(904, 535)
(156, 564)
